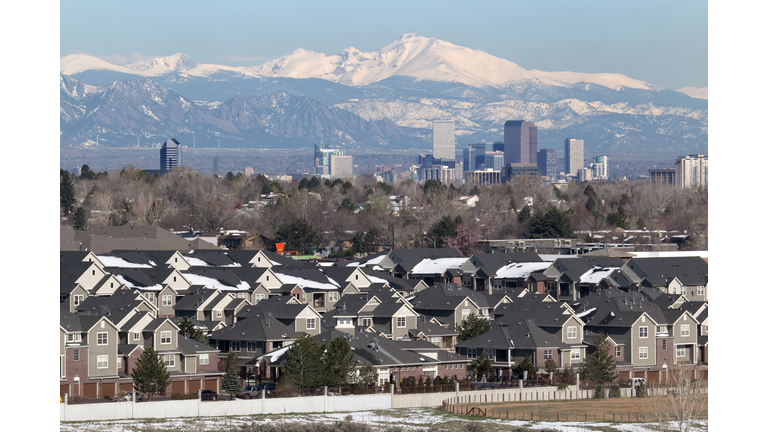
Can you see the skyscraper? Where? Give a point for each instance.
(691, 171)
(474, 156)
(443, 139)
(547, 163)
(170, 154)
(574, 156)
(520, 142)
(341, 166)
(600, 168)
(323, 158)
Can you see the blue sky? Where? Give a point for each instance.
(661, 42)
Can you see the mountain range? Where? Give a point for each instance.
(356, 100)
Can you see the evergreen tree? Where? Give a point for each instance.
(188, 330)
(150, 376)
(552, 224)
(80, 219)
(641, 390)
(619, 218)
(526, 365)
(298, 235)
(481, 365)
(445, 227)
(231, 383)
(551, 367)
(368, 375)
(66, 193)
(338, 362)
(615, 391)
(472, 326)
(302, 363)
(600, 366)
(566, 379)
(525, 214)
(599, 392)
(86, 173)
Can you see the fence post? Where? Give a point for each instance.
(325, 398)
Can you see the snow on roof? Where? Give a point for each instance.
(124, 281)
(520, 270)
(113, 261)
(307, 283)
(586, 312)
(196, 262)
(196, 279)
(374, 279)
(597, 274)
(437, 266)
(274, 356)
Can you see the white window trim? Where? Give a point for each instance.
(167, 301)
(102, 362)
(165, 336)
(685, 330)
(643, 329)
(311, 323)
(106, 338)
(398, 322)
(572, 333)
(576, 354)
(642, 353)
(169, 359)
(203, 359)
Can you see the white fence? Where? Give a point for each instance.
(309, 404)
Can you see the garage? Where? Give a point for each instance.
(126, 387)
(194, 385)
(64, 388)
(108, 389)
(90, 391)
(212, 384)
(654, 377)
(178, 387)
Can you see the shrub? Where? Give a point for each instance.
(615, 391)
(641, 390)
(599, 392)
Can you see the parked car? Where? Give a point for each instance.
(636, 381)
(208, 395)
(249, 392)
(124, 396)
(266, 386)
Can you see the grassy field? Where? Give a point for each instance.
(624, 409)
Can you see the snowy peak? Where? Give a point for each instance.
(179, 62)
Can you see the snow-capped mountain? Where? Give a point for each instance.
(406, 85)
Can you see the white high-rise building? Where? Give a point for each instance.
(691, 171)
(574, 156)
(600, 168)
(444, 140)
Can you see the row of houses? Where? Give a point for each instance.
(395, 306)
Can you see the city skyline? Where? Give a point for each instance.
(660, 43)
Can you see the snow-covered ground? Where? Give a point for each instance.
(414, 419)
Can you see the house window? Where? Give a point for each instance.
(572, 332)
(250, 347)
(664, 344)
(76, 355)
(464, 314)
(662, 329)
(401, 321)
(78, 299)
(169, 360)
(242, 295)
(700, 290)
(643, 353)
(218, 314)
(366, 322)
(136, 336)
(618, 351)
(310, 323)
(165, 337)
(644, 331)
(680, 351)
(547, 354)
(119, 362)
(74, 337)
(166, 300)
(575, 354)
(258, 297)
(203, 359)
(101, 338)
(333, 296)
(150, 297)
(706, 328)
(102, 362)
(472, 352)
(685, 330)
(234, 346)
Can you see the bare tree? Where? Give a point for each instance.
(677, 404)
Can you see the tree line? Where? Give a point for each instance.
(311, 212)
